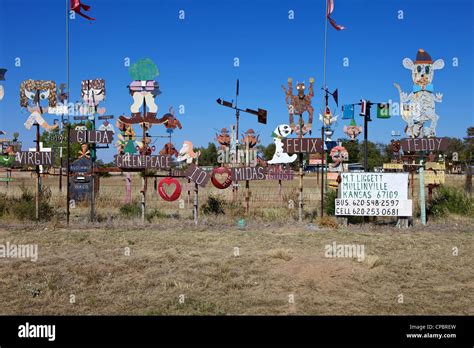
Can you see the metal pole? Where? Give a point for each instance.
(144, 170)
(93, 156)
(61, 169)
(323, 155)
(247, 182)
(68, 116)
(300, 157)
(38, 177)
(366, 135)
(422, 194)
(196, 202)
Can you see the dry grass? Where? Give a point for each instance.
(278, 257)
(176, 258)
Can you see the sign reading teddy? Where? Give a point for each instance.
(418, 107)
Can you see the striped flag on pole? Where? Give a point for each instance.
(330, 9)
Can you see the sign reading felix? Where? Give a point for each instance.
(374, 194)
(302, 145)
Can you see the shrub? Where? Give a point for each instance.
(24, 207)
(450, 200)
(131, 210)
(214, 205)
(327, 221)
(154, 214)
(330, 202)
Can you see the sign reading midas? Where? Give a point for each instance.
(374, 194)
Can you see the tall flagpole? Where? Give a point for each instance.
(323, 156)
(68, 116)
(325, 43)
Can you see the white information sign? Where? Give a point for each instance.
(374, 194)
(374, 207)
(374, 185)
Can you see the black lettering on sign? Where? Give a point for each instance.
(197, 175)
(248, 173)
(424, 144)
(302, 145)
(91, 136)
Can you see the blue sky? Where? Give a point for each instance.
(195, 56)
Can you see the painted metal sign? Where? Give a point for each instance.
(279, 173)
(34, 158)
(129, 161)
(393, 166)
(221, 177)
(197, 175)
(374, 186)
(80, 182)
(91, 136)
(374, 207)
(434, 177)
(248, 173)
(302, 145)
(424, 144)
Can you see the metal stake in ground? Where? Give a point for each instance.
(38, 175)
(300, 159)
(422, 194)
(144, 179)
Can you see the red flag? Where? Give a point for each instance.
(330, 9)
(76, 6)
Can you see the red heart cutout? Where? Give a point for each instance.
(221, 172)
(169, 182)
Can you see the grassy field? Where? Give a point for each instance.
(274, 263)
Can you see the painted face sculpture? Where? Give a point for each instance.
(250, 138)
(298, 104)
(38, 96)
(328, 119)
(353, 130)
(339, 155)
(126, 138)
(418, 107)
(223, 138)
(92, 93)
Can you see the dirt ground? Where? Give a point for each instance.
(174, 267)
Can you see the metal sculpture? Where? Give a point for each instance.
(300, 103)
(32, 95)
(280, 156)
(186, 153)
(418, 107)
(353, 130)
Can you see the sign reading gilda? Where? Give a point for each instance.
(129, 161)
(248, 173)
(91, 136)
